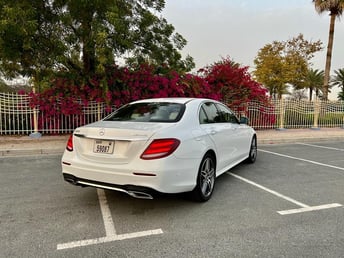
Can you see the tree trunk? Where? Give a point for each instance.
(88, 47)
(329, 56)
(88, 58)
(310, 93)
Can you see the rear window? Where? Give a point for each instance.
(162, 112)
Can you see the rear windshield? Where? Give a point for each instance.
(161, 112)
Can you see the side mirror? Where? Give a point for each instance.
(244, 120)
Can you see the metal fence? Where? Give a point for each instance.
(18, 118)
(296, 114)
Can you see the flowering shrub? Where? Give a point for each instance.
(236, 88)
(233, 83)
(124, 85)
(127, 85)
(221, 81)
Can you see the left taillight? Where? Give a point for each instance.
(69, 146)
(160, 148)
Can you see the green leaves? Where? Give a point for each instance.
(81, 38)
(335, 8)
(281, 63)
(338, 80)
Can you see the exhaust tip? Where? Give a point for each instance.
(140, 195)
(70, 179)
(133, 191)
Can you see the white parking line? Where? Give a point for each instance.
(304, 160)
(314, 208)
(307, 208)
(270, 191)
(109, 226)
(107, 239)
(107, 218)
(304, 208)
(319, 146)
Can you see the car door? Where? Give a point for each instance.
(221, 132)
(238, 133)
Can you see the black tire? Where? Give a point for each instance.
(252, 156)
(205, 179)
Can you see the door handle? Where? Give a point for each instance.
(212, 132)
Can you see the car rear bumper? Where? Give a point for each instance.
(132, 190)
(166, 177)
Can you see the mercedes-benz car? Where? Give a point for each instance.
(167, 145)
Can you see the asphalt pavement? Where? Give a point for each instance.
(288, 204)
(55, 144)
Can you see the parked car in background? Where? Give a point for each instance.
(167, 145)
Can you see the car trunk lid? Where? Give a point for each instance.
(114, 142)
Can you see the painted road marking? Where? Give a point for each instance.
(107, 239)
(109, 226)
(270, 191)
(319, 146)
(304, 208)
(304, 160)
(106, 213)
(314, 208)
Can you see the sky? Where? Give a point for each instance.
(239, 28)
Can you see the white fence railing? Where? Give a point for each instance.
(17, 117)
(296, 114)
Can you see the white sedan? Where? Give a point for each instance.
(167, 145)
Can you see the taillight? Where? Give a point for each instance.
(160, 148)
(69, 146)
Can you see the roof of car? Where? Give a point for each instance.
(174, 99)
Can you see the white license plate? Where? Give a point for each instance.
(101, 146)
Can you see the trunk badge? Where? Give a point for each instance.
(102, 132)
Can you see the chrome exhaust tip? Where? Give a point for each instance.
(132, 193)
(140, 195)
(71, 181)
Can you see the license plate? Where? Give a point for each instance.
(101, 146)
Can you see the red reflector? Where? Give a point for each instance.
(160, 148)
(69, 146)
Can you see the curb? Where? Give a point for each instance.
(26, 146)
(30, 152)
(268, 141)
(55, 145)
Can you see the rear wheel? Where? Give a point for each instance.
(205, 179)
(253, 151)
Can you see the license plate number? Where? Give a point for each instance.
(101, 146)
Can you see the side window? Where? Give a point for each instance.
(227, 116)
(209, 113)
(203, 119)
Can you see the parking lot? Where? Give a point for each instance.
(287, 204)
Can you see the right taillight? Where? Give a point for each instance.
(160, 148)
(69, 146)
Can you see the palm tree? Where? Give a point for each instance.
(314, 82)
(335, 7)
(338, 80)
